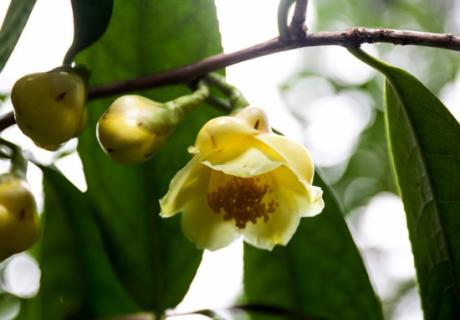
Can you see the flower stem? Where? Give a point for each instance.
(184, 104)
(237, 100)
(18, 162)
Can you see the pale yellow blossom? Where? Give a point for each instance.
(243, 180)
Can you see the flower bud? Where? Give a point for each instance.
(133, 128)
(19, 223)
(50, 106)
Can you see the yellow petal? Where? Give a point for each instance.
(315, 202)
(220, 133)
(244, 161)
(294, 155)
(255, 118)
(182, 187)
(205, 228)
(188, 193)
(293, 202)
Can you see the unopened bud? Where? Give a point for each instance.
(50, 106)
(133, 128)
(19, 223)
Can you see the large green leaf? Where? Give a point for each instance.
(426, 152)
(9, 306)
(319, 273)
(15, 20)
(424, 141)
(90, 20)
(77, 279)
(150, 255)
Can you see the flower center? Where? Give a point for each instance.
(241, 199)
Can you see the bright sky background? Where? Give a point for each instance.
(334, 124)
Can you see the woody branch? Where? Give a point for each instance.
(189, 73)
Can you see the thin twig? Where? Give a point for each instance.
(274, 310)
(7, 120)
(191, 72)
(250, 308)
(283, 29)
(297, 27)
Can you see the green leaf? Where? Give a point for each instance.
(319, 273)
(424, 142)
(9, 306)
(426, 152)
(91, 18)
(151, 256)
(15, 20)
(77, 279)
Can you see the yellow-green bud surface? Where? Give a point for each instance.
(19, 223)
(133, 128)
(50, 107)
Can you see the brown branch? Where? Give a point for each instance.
(191, 72)
(297, 26)
(7, 120)
(350, 37)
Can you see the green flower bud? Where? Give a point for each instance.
(134, 127)
(19, 222)
(50, 106)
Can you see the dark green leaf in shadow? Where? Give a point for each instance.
(90, 20)
(319, 273)
(77, 279)
(424, 143)
(15, 20)
(9, 306)
(151, 256)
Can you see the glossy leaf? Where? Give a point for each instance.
(424, 142)
(151, 256)
(9, 306)
(426, 152)
(319, 273)
(15, 20)
(77, 279)
(91, 18)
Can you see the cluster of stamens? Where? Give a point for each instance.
(242, 199)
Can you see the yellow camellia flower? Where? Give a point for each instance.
(243, 180)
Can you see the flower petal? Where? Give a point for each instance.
(205, 228)
(293, 202)
(255, 118)
(245, 161)
(295, 155)
(220, 133)
(316, 202)
(182, 187)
